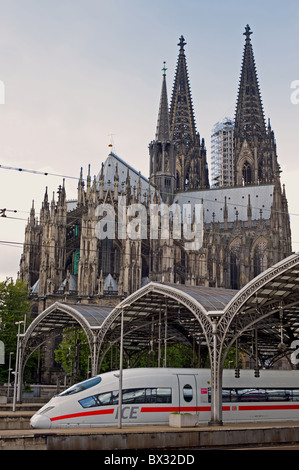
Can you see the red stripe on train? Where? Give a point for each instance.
(86, 413)
(184, 409)
(268, 407)
(173, 409)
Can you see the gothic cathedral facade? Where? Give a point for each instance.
(244, 228)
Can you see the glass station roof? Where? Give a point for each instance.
(177, 313)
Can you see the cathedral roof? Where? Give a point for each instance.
(236, 198)
(113, 164)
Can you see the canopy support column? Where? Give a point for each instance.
(216, 379)
(94, 356)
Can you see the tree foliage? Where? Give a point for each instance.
(15, 305)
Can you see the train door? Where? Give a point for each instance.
(187, 392)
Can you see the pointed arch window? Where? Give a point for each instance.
(106, 257)
(260, 257)
(234, 264)
(234, 271)
(187, 179)
(247, 173)
(256, 263)
(260, 172)
(177, 181)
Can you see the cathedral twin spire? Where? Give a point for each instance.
(64, 244)
(255, 159)
(249, 119)
(255, 156)
(163, 129)
(182, 121)
(179, 121)
(182, 165)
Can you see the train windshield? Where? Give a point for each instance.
(81, 386)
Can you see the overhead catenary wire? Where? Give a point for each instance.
(36, 172)
(217, 232)
(199, 197)
(69, 215)
(103, 250)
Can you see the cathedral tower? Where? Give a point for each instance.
(244, 229)
(162, 151)
(254, 143)
(191, 161)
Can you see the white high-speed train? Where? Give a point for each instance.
(150, 395)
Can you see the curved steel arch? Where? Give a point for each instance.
(33, 338)
(50, 311)
(182, 298)
(216, 326)
(251, 289)
(223, 337)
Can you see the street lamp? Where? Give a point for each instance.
(17, 372)
(9, 371)
(120, 378)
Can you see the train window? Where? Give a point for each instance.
(258, 394)
(150, 395)
(229, 395)
(129, 396)
(115, 397)
(88, 402)
(81, 386)
(163, 395)
(225, 395)
(102, 399)
(254, 394)
(278, 395)
(134, 395)
(187, 393)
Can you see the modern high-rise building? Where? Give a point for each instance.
(222, 151)
(125, 229)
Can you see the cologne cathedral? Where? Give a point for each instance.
(244, 227)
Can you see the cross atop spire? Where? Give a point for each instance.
(164, 69)
(248, 32)
(182, 43)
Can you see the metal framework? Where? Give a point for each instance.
(51, 322)
(261, 319)
(266, 308)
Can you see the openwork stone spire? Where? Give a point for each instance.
(249, 118)
(182, 121)
(255, 157)
(162, 150)
(163, 131)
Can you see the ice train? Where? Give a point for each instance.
(150, 394)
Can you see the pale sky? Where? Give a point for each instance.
(75, 71)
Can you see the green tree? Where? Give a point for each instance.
(15, 305)
(72, 353)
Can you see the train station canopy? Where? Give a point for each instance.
(261, 319)
(263, 316)
(267, 307)
(154, 304)
(60, 315)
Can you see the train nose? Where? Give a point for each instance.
(40, 422)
